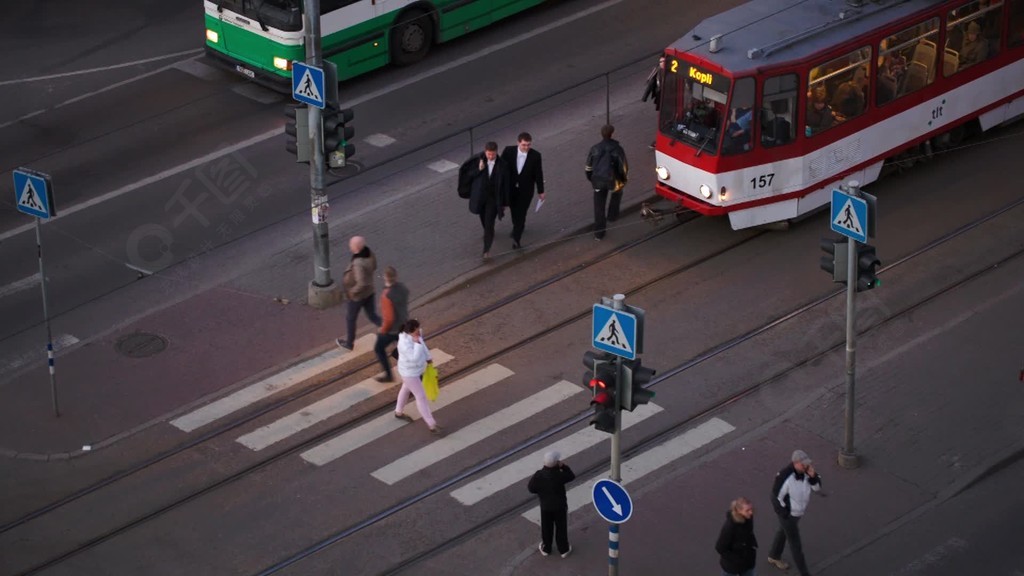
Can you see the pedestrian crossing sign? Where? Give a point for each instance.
(614, 331)
(308, 84)
(33, 193)
(849, 216)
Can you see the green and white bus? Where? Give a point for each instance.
(260, 38)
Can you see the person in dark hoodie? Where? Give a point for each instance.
(791, 492)
(548, 484)
(737, 545)
(394, 309)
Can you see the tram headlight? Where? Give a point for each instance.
(705, 191)
(212, 35)
(281, 63)
(662, 172)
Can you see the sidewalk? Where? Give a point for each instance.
(938, 408)
(255, 323)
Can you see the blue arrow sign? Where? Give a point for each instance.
(612, 501)
(308, 84)
(850, 216)
(614, 331)
(32, 194)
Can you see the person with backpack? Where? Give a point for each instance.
(607, 171)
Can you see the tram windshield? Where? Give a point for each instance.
(693, 105)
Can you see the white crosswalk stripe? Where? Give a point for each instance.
(642, 464)
(343, 444)
(475, 432)
(524, 467)
(272, 385)
(321, 410)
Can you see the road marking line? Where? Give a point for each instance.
(525, 467)
(65, 212)
(340, 445)
(270, 386)
(321, 410)
(476, 432)
(20, 285)
(642, 464)
(100, 69)
(59, 343)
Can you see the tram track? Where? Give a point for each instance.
(659, 436)
(292, 399)
(476, 364)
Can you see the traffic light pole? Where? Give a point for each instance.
(322, 291)
(618, 303)
(847, 456)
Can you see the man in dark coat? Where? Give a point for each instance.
(737, 545)
(548, 484)
(525, 172)
(488, 186)
(607, 171)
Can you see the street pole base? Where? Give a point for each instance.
(848, 460)
(323, 297)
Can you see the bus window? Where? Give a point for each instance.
(739, 132)
(973, 33)
(906, 61)
(837, 91)
(778, 101)
(1016, 22)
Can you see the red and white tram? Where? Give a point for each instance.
(768, 106)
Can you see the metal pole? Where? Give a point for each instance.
(607, 98)
(613, 548)
(618, 303)
(46, 320)
(847, 456)
(318, 200)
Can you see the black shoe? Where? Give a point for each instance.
(598, 236)
(516, 245)
(405, 417)
(342, 345)
(384, 378)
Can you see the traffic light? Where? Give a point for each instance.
(601, 379)
(337, 136)
(297, 131)
(836, 261)
(634, 381)
(867, 279)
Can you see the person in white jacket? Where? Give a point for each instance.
(413, 357)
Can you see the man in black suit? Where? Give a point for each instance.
(487, 179)
(526, 171)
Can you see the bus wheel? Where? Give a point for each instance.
(411, 38)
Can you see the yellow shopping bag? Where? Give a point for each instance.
(430, 382)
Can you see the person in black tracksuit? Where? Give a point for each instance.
(737, 545)
(607, 171)
(548, 484)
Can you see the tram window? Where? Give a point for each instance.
(972, 34)
(837, 91)
(906, 61)
(1016, 10)
(739, 133)
(778, 102)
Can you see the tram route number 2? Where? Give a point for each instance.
(762, 181)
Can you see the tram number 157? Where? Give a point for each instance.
(762, 181)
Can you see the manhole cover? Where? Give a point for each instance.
(141, 344)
